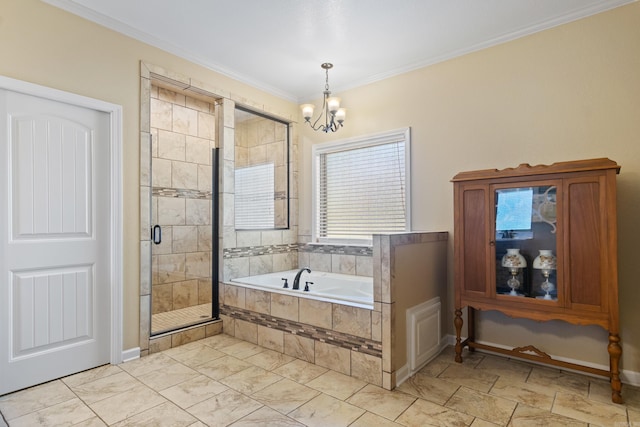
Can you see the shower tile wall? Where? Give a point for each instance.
(183, 135)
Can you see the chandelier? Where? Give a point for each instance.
(333, 114)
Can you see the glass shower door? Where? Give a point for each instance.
(182, 216)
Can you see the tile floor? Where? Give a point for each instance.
(221, 381)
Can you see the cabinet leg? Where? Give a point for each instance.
(615, 351)
(457, 321)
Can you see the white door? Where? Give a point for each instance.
(55, 302)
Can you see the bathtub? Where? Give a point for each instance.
(345, 289)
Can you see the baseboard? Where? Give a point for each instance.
(131, 354)
(626, 376)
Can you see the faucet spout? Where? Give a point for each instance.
(296, 280)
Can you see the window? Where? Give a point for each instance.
(361, 187)
(254, 197)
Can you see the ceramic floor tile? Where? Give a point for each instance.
(198, 356)
(583, 409)
(388, 404)
(300, 371)
(469, 358)
(526, 393)
(505, 368)
(336, 384)
(223, 367)
(324, 410)
(105, 387)
(600, 391)
(435, 367)
(242, 350)
(250, 380)
(269, 359)
(91, 375)
(266, 417)
(423, 413)
(69, 412)
(370, 420)
(147, 364)
(285, 395)
(634, 416)
(224, 408)
(33, 399)
(527, 416)
(175, 351)
(469, 377)
(194, 391)
(91, 422)
(482, 423)
(554, 378)
(631, 396)
(429, 388)
(220, 341)
(170, 376)
(127, 404)
(165, 414)
(489, 408)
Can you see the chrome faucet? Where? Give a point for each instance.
(296, 280)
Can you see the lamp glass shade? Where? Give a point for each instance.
(545, 260)
(333, 104)
(307, 111)
(513, 259)
(340, 115)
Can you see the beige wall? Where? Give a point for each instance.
(572, 92)
(45, 45)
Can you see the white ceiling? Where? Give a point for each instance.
(278, 45)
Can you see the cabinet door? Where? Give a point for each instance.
(586, 237)
(472, 234)
(527, 248)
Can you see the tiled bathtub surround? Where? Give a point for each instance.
(355, 260)
(409, 269)
(327, 334)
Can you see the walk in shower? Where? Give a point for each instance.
(183, 210)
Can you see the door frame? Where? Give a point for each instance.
(116, 213)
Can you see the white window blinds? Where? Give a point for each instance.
(362, 188)
(254, 198)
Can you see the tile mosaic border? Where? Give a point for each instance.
(249, 251)
(181, 193)
(337, 249)
(339, 339)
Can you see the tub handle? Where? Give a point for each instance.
(306, 286)
(286, 284)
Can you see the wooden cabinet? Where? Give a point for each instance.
(566, 210)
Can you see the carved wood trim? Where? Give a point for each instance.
(526, 169)
(531, 349)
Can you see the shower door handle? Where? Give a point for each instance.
(156, 235)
